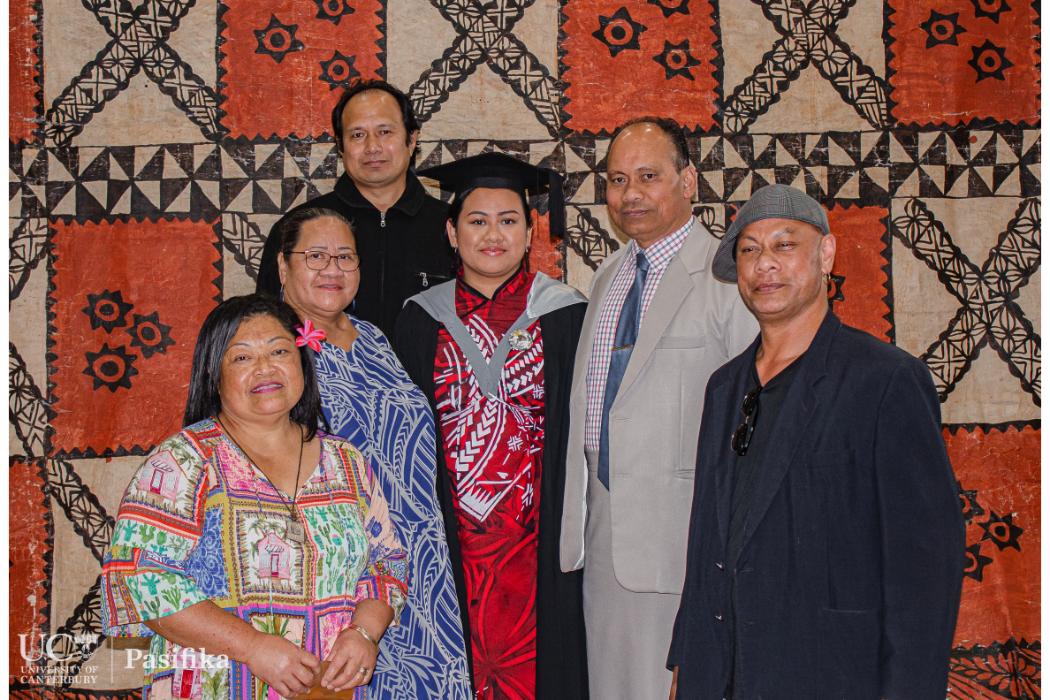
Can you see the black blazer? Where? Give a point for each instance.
(850, 572)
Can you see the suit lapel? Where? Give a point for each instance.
(796, 413)
(675, 286)
(723, 396)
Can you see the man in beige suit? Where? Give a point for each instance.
(657, 326)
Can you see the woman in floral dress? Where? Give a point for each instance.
(254, 549)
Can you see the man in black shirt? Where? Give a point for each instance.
(826, 540)
(399, 228)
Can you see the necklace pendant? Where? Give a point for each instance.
(295, 531)
(521, 339)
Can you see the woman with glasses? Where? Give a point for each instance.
(369, 400)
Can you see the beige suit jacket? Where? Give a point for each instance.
(694, 325)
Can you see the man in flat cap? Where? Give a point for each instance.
(826, 539)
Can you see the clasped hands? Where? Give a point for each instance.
(290, 671)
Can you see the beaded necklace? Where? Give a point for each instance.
(294, 530)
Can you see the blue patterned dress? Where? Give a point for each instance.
(369, 400)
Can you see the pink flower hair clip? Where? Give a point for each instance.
(310, 335)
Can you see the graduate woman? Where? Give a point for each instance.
(493, 349)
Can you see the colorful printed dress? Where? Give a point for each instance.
(370, 400)
(493, 452)
(200, 522)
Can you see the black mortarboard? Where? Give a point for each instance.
(498, 170)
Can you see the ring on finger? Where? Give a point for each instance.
(363, 670)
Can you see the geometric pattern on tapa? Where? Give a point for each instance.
(137, 42)
(28, 246)
(242, 176)
(807, 39)
(27, 407)
(988, 313)
(80, 634)
(244, 239)
(997, 671)
(483, 36)
(239, 175)
(230, 181)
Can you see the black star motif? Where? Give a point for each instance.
(676, 60)
(942, 29)
(1001, 530)
(990, 8)
(619, 32)
(107, 310)
(989, 61)
(149, 335)
(669, 7)
(277, 40)
(333, 10)
(968, 502)
(339, 70)
(112, 368)
(975, 562)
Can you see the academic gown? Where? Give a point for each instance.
(561, 658)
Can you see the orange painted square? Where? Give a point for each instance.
(30, 546)
(24, 89)
(264, 97)
(860, 258)
(1003, 467)
(603, 91)
(936, 85)
(162, 267)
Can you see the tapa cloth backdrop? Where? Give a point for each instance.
(154, 142)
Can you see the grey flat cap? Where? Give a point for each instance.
(770, 202)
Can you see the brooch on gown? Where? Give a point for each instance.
(521, 339)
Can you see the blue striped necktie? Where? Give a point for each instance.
(623, 344)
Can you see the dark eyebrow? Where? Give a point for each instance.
(270, 341)
(498, 213)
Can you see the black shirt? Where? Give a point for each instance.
(403, 251)
(745, 477)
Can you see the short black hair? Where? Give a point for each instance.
(290, 227)
(673, 132)
(215, 335)
(408, 115)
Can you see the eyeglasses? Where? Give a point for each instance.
(744, 431)
(318, 260)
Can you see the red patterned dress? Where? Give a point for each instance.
(493, 453)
